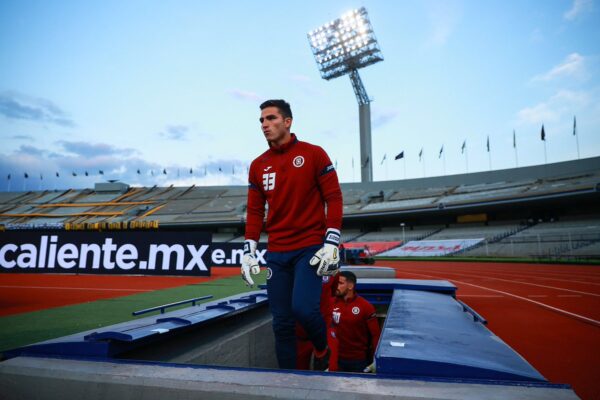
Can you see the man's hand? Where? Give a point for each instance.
(327, 259)
(371, 368)
(249, 262)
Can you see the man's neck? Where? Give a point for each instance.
(349, 296)
(282, 141)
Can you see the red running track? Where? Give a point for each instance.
(21, 293)
(550, 314)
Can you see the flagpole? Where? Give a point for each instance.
(8, 185)
(467, 157)
(576, 136)
(444, 161)
(423, 166)
(404, 160)
(545, 155)
(386, 169)
(515, 147)
(490, 159)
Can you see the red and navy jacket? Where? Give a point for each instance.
(356, 327)
(296, 180)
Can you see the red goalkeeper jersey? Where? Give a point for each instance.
(298, 182)
(356, 328)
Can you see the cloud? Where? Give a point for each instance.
(244, 95)
(114, 163)
(556, 107)
(383, 117)
(444, 16)
(578, 8)
(21, 137)
(31, 150)
(21, 107)
(572, 66)
(175, 132)
(90, 150)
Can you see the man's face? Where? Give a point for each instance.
(274, 126)
(343, 287)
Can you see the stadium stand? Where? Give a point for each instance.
(540, 211)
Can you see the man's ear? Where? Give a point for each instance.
(287, 122)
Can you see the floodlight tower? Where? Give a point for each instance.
(342, 47)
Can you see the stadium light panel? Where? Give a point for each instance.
(345, 44)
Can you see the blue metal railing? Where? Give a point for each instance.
(163, 307)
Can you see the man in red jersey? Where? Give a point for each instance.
(299, 183)
(355, 325)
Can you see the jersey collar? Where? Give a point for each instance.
(286, 146)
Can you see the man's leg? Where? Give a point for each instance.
(280, 283)
(306, 299)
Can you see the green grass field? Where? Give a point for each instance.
(32, 327)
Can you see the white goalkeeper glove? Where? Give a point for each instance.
(327, 258)
(249, 262)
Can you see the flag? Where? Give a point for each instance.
(191, 171)
(366, 162)
(138, 171)
(574, 126)
(8, 177)
(543, 133)
(514, 139)
(101, 172)
(41, 177)
(73, 173)
(220, 170)
(420, 154)
(86, 173)
(152, 172)
(464, 145)
(399, 155)
(383, 159)
(205, 170)
(26, 175)
(233, 170)
(164, 171)
(488, 143)
(441, 151)
(57, 175)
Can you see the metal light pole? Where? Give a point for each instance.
(341, 47)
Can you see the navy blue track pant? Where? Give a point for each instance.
(294, 291)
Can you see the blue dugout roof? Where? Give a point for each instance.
(427, 333)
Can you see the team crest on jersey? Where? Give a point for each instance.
(325, 279)
(269, 273)
(298, 161)
(355, 310)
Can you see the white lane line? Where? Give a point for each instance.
(75, 288)
(536, 295)
(528, 283)
(558, 310)
(524, 275)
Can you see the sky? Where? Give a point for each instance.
(175, 86)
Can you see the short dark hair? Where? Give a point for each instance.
(283, 106)
(349, 275)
